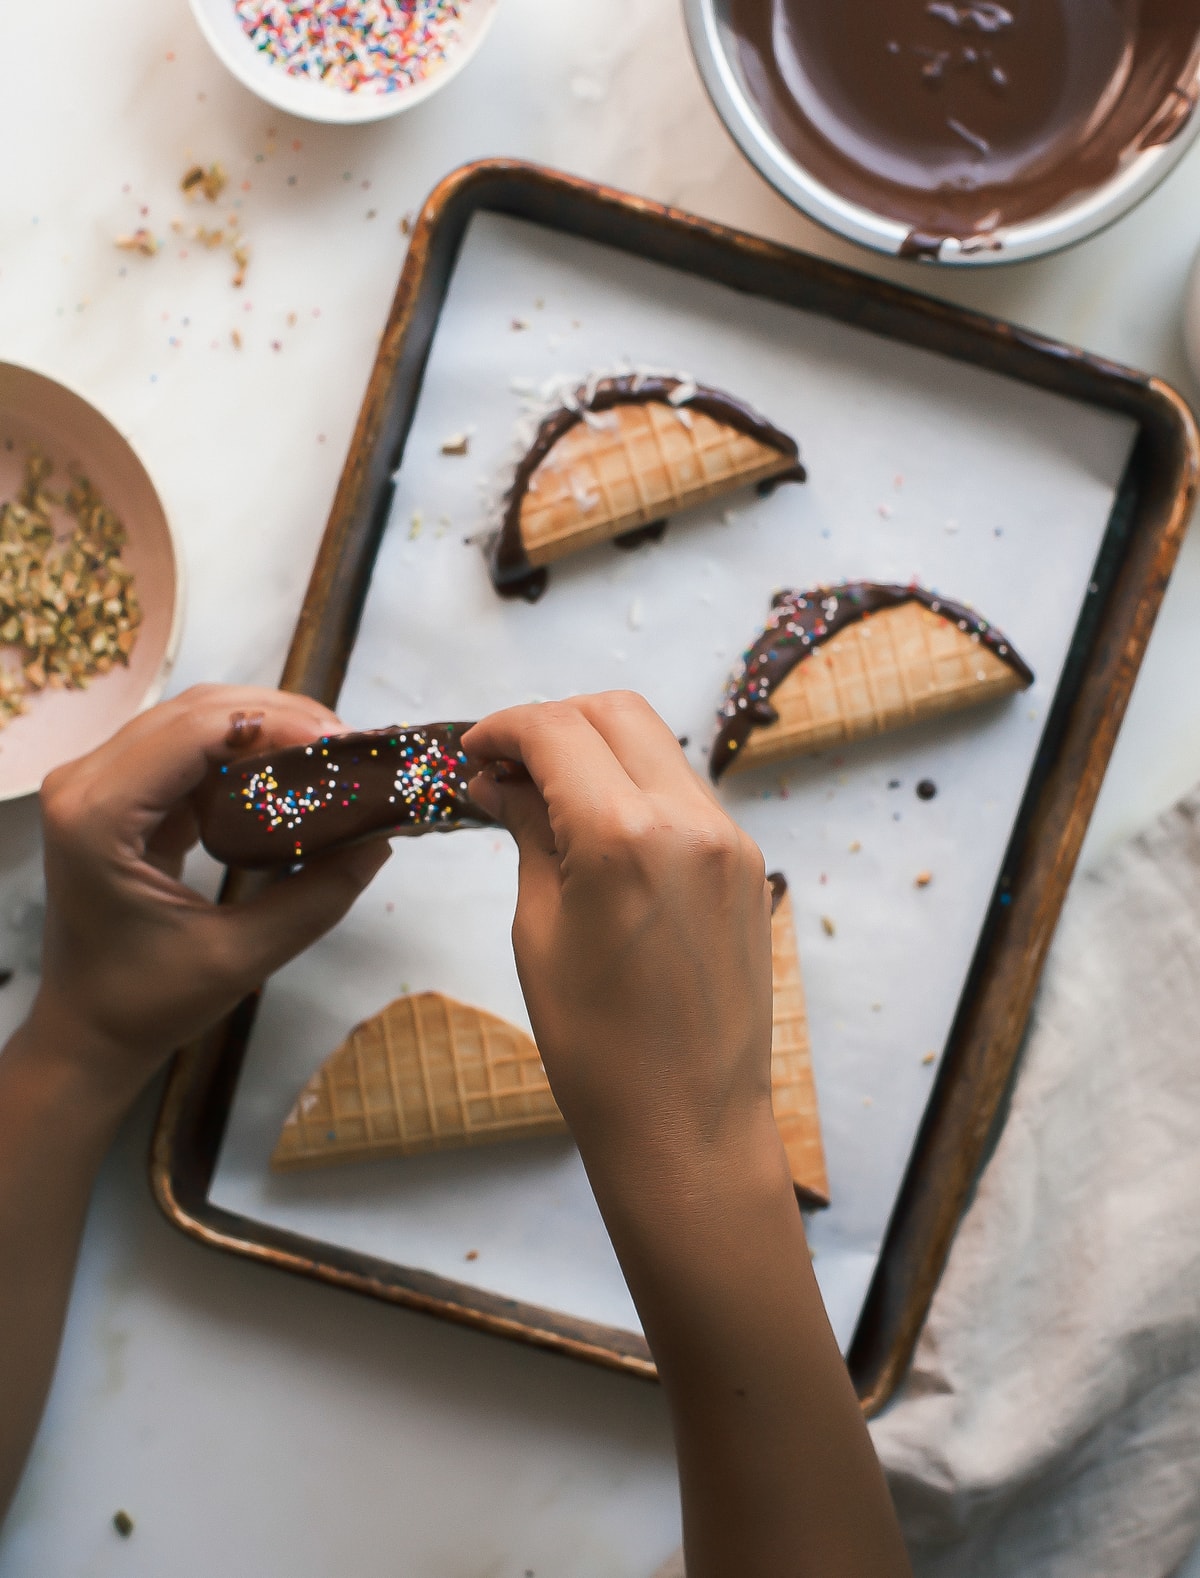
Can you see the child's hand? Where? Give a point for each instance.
(642, 935)
(134, 962)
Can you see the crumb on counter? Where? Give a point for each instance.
(140, 240)
(207, 181)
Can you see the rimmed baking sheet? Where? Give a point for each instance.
(994, 492)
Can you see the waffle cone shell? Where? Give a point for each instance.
(793, 1090)
(897, 667)
(426, 1073)
(632, 466)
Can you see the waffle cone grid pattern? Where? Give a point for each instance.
(426, 1074)
(644, 462)
(891, 669)
(793, 1092)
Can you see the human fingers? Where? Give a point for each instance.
(243, 703)
(263, 933)
(637, 736)
(170, 841)
(515, 802)
(156, 761)
(571, 764)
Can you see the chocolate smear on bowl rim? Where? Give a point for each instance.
(937, 115)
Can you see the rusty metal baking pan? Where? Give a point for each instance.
(1152, 506)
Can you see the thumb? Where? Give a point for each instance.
(275, 925)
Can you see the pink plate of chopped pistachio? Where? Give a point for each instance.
(90, 590)
(344, 60)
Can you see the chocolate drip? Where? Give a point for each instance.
(512, 573)
(918, 244)
(803, 621)
(955, 119)
(287, 805)
(654, 531)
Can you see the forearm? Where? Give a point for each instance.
(777, 1472)
(54, 1132)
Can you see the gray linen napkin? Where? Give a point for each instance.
(1050, 1424)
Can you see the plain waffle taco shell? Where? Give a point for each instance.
(427, 1073)
(793, 1091)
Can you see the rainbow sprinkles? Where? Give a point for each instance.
(290, 804)
(376, 46)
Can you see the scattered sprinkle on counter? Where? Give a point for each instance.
(376, 46)
(924, 878)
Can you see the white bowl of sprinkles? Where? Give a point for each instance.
(346, 61)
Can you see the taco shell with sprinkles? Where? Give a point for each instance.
(840, 663)
(616, 458)
(282, 806)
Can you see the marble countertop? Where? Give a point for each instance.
(252, 1423)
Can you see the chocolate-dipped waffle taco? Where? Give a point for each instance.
(839, 663)
(284, 805)
(618, 456)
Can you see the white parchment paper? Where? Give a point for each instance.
(990, 492)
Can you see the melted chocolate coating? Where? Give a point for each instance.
(285, 805)
(959, 118)
(800, 622)
(512, 573)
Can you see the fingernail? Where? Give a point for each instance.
(244, 729)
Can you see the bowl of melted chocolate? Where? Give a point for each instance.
(959, 133)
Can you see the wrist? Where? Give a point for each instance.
(76, 1063)
(669, 1184)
